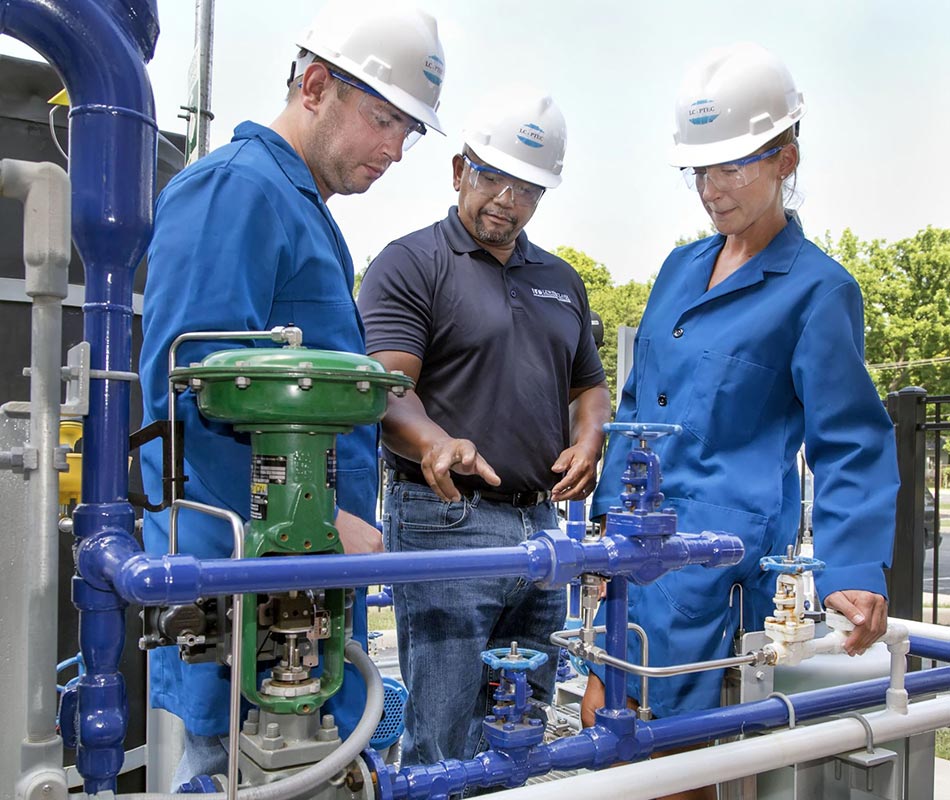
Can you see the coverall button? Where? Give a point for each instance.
(513, 293)
(661, 400)
(677, 333)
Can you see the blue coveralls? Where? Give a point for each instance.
(243, 241)
(771, 356)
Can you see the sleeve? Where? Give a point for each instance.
(395, 302)
(217, 252)
(587, 369)
(849, 445)
(615, 460)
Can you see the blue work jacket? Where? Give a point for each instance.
(243, 241)
(770, 357)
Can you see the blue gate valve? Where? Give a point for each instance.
(509, 726)
(639, 513)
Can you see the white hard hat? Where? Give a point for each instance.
(731, 102)
(520, 133)
(393, 49)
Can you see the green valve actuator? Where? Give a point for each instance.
(293, 402)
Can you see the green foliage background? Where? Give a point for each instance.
(617, 305)
(906, 288)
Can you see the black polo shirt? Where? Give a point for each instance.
(501, 346)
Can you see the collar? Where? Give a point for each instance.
(289, 161)
(461, 241)
(777, 257)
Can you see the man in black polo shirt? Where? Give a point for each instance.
(496, 333)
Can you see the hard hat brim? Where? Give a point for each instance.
(519, 169)
(705, 155)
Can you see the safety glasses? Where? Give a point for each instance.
(492, 182)
(729, 176)
(383, 117)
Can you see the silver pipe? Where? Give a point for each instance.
(204, 41)
(237, 632)
(598, 655)
(44, 191)
(291, 335)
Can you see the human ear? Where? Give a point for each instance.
(458, 164)
(315, 84)
(787, 160)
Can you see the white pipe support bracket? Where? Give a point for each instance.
(43, 189)
(897, 638)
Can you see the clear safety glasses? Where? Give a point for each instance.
(493, 183)
(729, 176)
(383, 117)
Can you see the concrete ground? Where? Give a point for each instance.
(941, 779)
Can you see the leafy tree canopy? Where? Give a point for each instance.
(906, 288)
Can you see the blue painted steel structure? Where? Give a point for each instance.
(113, 144)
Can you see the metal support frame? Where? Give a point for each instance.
(906, 576)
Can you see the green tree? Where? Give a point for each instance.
(906, 288)
(616, 305)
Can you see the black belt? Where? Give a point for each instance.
(516, 499)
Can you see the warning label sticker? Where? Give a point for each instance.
(265, 470)
(258, 500)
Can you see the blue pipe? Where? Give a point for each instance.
(551, 558)
(380, 599)
(599, 747)
(704, 726)
(930, 648)
(615, 680)
(99, 49)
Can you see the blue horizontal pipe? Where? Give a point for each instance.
(704, 726)
(925, 647)
(597, 747)
(551, 558)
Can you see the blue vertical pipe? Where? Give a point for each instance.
(615, 680)
(577, 530)
(99, 48)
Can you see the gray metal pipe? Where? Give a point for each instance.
(44, 191)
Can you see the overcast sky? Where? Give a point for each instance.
(875, 75)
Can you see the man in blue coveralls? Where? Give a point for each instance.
(244, 241)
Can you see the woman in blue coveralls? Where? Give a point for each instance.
(753, 341)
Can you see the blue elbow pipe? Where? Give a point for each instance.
(99, 48)
(380, 599)
(551, 558)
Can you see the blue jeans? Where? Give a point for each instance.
(442, 626)
(204, 755)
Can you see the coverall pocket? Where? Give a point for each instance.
(699, 592)
(728, 397)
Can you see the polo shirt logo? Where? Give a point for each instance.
(550, 294)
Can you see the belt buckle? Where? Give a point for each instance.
(528, 499)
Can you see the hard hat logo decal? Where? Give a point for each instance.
(702, 112)
(434, 69)
(531, 135)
